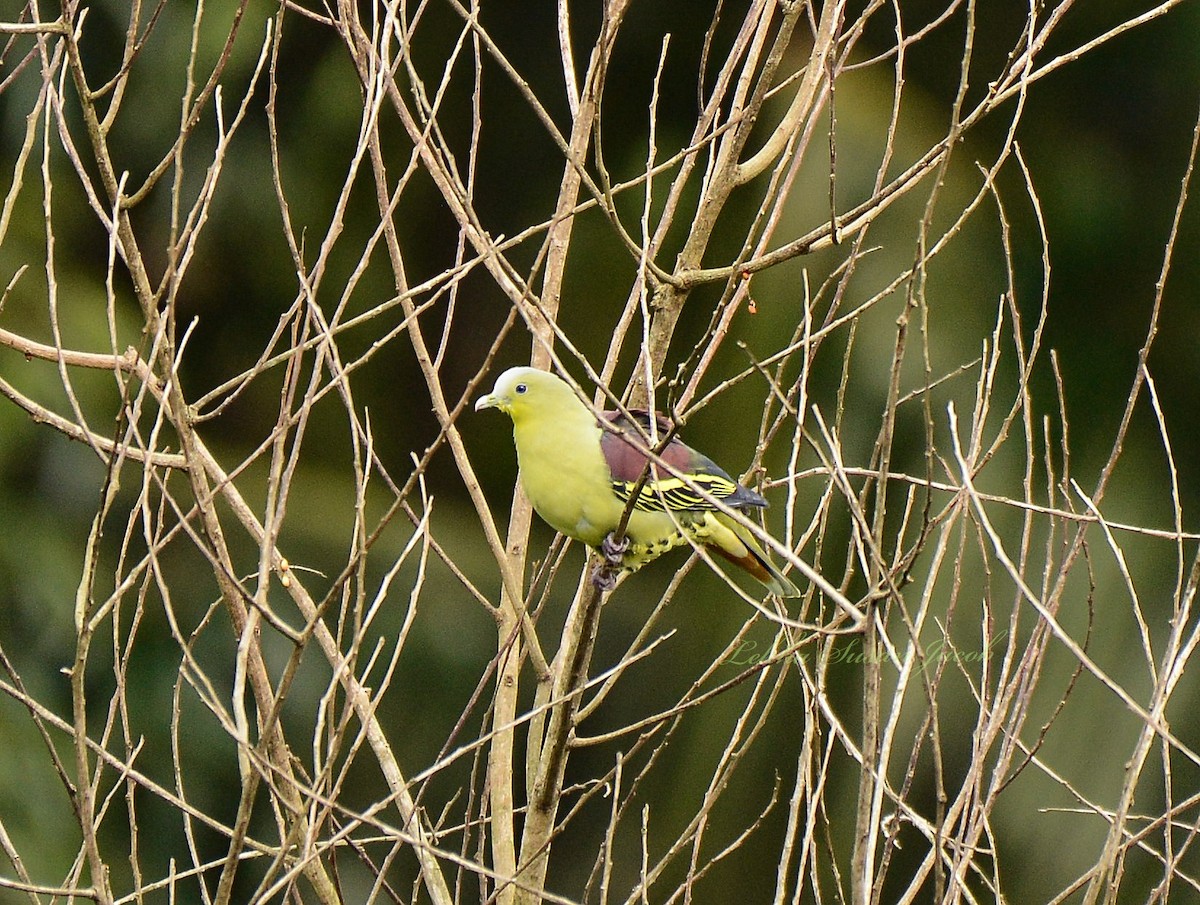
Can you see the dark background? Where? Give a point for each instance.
(1106, 140)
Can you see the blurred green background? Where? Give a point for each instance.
(1106, 141)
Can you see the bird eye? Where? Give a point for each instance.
(521, 388)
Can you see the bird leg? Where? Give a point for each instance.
(606, 573)
(604, 577)
(614, 550)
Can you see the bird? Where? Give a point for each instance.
(579, 470)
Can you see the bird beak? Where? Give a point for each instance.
(490, 401)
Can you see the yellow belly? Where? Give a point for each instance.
(568, 485)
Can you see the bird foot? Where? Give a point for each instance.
(604, 577)
(606, 573)
(614, 550)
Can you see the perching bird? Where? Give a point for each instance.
(579, 474)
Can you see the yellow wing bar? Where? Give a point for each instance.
(672, 494)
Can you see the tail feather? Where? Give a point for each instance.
(753, 559)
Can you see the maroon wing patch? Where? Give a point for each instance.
(664, 491)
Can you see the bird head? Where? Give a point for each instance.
(522, 392)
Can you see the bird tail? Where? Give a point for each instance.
(754, 559)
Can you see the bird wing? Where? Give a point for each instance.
(667, 492)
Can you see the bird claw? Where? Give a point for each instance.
(604, 577)
(607, 572)
(614, 550)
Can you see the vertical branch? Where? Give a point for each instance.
(570, 676)
(180, 416)
(670, 297)
(560, 686)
